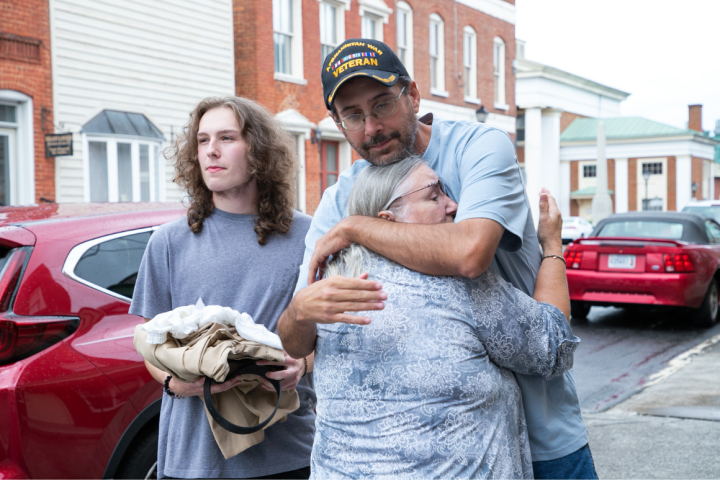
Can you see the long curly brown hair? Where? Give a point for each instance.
(271, 159)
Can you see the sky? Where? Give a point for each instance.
(666, 54)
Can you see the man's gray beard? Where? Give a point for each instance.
(407, 151)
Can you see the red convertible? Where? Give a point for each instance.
(75, 397)
(648, 259)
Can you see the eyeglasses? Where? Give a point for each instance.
(382, 110)
(438, 182)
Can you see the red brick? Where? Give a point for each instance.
(31, 19)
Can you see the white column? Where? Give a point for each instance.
(533, 158)
(564, 192)
(601, 203)
(551, 150)
(712, 180)
(683, 182)
(621, 186)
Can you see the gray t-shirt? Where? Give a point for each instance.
(224, 265)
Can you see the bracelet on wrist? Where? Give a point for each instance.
(554, 256)
(168, 391)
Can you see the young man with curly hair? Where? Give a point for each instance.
(240, 247)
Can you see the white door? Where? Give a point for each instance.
(7, 167)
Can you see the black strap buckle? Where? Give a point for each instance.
(244, 366)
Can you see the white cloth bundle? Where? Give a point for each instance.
(183, 321)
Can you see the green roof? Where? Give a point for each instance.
(621, 128)
(587, 191)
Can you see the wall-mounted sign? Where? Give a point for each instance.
(58, 145)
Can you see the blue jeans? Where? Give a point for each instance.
(578, 465)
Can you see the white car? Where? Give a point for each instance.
(574, 228)
(707, 208)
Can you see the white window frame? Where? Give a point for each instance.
(157, 166)
(378, 26)
(297, 74)
(405, 9)
(298, 125)
(439, 87)
(340, 8)
(377, 11)
(470, 64)
(499, 74)
(22, 155)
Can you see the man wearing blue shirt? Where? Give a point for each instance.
(374, 102)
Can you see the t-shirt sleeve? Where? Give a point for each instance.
(152, 294)
(492, 187)
(326, 216)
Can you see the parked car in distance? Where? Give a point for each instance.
(707, 208)
(574, 228)
(648, 259)
(76, 398)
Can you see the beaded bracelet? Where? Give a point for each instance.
(168, 391)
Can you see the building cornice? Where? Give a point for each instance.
(528, 69)
(495, 8)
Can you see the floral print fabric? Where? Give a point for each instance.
(425, 390)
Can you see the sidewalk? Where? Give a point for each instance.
(671, 429)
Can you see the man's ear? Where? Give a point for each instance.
(414, 96)
(387, 215)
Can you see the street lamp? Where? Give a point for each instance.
(694, 187)
(481, 114)
(646, 176)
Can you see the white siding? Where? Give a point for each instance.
(158, 58)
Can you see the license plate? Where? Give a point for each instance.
(618, 261)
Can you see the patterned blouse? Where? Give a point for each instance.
(425, 390)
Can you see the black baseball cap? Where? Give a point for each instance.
(355, 57)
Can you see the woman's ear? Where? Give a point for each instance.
(387, 215)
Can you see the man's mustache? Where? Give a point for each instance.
(379, 139)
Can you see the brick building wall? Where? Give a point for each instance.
(697, 176)
(574, 172)
(671, 192)
(254, 61)
(25, 67)
(632, 185)
(566, 118)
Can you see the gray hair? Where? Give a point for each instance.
(374, 188)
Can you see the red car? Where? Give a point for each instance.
(648, 259)
(76, 399)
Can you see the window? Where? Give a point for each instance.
(373, 13)
(287, 37)
(123, 170)
(405, 35)
(112, 264)
(470, 65)
(437, 56)
(17, 164)
(282, 35)
(713, 231)
(329, 164)
(589, 170)
(332, 26)
(520, 127)
(654, 168)
(499, 73)
(642, 228)
(371, 27)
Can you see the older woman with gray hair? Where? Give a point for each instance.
(426, 389)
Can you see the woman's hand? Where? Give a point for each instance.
(288, 377)
(549, 225)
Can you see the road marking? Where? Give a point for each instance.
(679, 362)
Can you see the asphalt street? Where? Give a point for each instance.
(622, 350)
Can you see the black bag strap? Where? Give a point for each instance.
(245, 368)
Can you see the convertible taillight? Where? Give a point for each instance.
(678, 263)
(573, 259)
